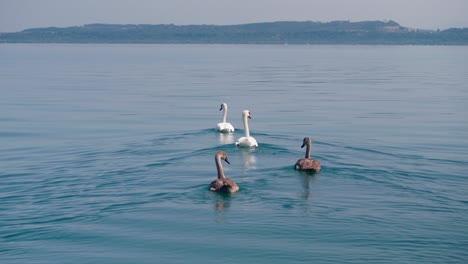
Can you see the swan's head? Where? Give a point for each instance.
(247, 114)
(222, 155)
(306, 142)
(223, 106)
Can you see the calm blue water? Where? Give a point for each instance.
(106, 154)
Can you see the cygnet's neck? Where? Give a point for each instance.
(307, 154)
(219, 167)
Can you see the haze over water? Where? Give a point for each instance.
(107, 151)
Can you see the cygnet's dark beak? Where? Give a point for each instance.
(303, 145)
(226, 160)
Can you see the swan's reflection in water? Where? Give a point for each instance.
(226, 138)
(307, 178)
(248, 158)
(222, 202)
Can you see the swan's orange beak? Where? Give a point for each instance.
(249, 116)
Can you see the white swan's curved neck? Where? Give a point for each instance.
(224, 112)
(246, 125)
(219, 167)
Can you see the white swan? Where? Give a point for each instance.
(224, 126)
(246, 141)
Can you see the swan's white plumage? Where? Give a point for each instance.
(224, 126)
(247, 140)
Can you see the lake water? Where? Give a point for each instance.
(107, 152)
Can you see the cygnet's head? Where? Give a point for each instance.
(306, 141)
(222, 155)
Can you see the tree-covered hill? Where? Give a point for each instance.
(289, 32)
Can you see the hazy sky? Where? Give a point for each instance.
(16, 15)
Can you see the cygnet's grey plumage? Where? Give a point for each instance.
(222, 184)
(307, 164)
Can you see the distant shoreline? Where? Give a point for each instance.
(274, 33)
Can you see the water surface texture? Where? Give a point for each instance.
(107, 152)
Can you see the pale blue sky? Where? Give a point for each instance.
(16, 15)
